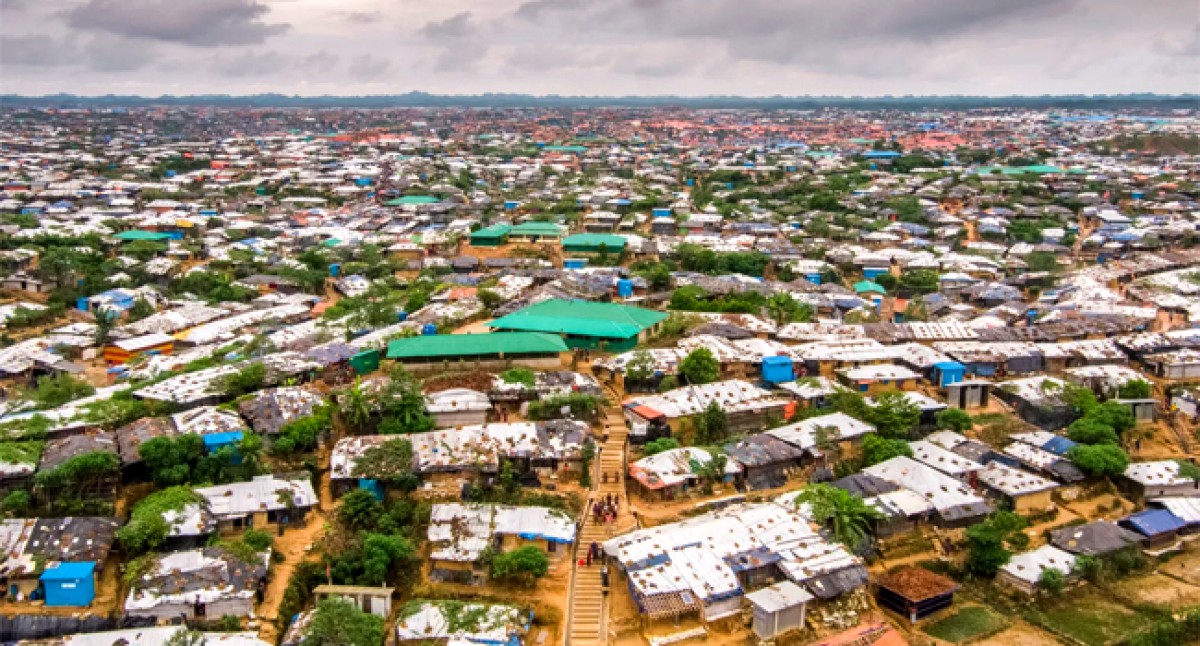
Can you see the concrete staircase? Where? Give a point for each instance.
(588, 615)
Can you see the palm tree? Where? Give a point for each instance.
(780, 308)
(846, 515)
(355, 407)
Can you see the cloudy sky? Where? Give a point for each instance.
(600, 47)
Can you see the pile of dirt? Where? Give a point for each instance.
(917, 583)
(481, 381)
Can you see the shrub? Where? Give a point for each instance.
(954, 419)
(524, 564)
(655, 447)
(1051, 581)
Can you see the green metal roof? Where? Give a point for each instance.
(413, 199)
(138, 234)
(442, 346)
(581, 318)
(594, 240)
(869, 286)
(494, 231)
(537, 229)
(566, 149)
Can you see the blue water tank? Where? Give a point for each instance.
(334, 269)
(429, 330)
(401, 316)
(777, 370)
(81, 303)
(813, 278)
(624, 288)
(574, 263)
(362, 181)
(691, 182)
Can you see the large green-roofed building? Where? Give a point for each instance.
(535, 231)
(585, 324)
(137, 234)
(492, 236)
(503, 345)
(412, 200)
(590, 243)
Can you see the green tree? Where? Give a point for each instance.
(147, 529)
(1100, 459)
(171, 460)
(402, 406)
(338, 622)
(712, 425)
(955, 419)
(354, 407)
(489, 298)
(250, 378)
(921, 281)
(1115, 414)
(1136, 389)
(106, 320)
(1052, 580)
(1089, 430)
(524, 565)
(141, 309)
(878, 449)
(988, 542)
(846, 515)
(700, 367)
(893, 415)
(640, 367)
(1042, 261)
(781, 307)
(52, 392)
(359, 510)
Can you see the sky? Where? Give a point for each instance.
(600, 47)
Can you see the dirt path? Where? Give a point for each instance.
(297, 547)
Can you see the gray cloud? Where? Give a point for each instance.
(361, 17)
(37, 51)
(112, 54)
(253, 64)
(368, 67)
(460, 25)
(321, 62)
(461, 42)
(201, 23)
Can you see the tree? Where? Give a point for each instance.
(354, 407)
(1042, 261)
(147, 529)
(712, 425)
(988, 542)
(1115, 414)
(921, 281)
(878, 449)
(955, 419)
(360, 510)
(106, 320)
(781, 307)
(1136, 389)
(172, 459)
(640, 366)
(654, 447)
(52, 392)
(371, 563)
(338, 622)
(489, 298)
(1052, 580)
(700, 367)
(1089, 430)
(1099, 460)
(524, 564)
(250, 378)
(894, 415)
(141, 309)
(846, 515)
(402, 406)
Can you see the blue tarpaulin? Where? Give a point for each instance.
(1154, 522)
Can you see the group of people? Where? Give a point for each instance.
(605, 509)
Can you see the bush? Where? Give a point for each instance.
(524, 564)
(1051, 581)
(700, 367)
(1099, 460)
(878, 449)
(655, 447)
(1090, 430)
(1136, 389)
(954, 419)
(52, 392)
(259, 540)
(247, 380)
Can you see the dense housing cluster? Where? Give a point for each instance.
(535, 376)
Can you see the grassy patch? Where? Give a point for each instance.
(1090, 619)
(969, 623)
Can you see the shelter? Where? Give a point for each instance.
(1160, 527)
(778, 609)
(766, 461)
(1097, 538)
(492, 236)
(1024, 571)
(594, 243)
